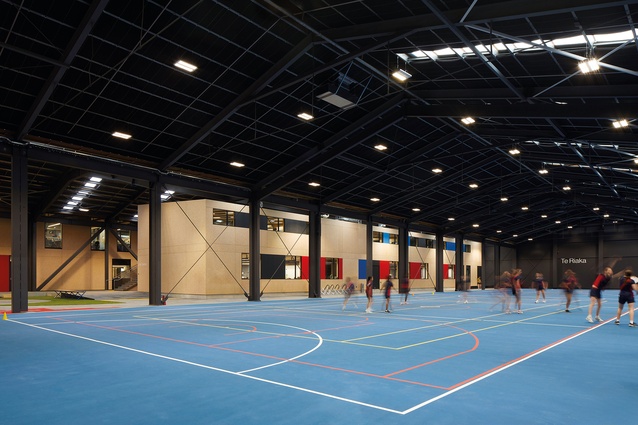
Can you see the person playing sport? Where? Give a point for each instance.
(540, 284)
(369, 294)
(404, 288)
(348, 291)
(595, 293)
(387, 290)
(516, 289)
(568, 285)
(626, 295)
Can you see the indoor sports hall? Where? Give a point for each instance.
(436, 359)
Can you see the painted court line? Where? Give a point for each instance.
(243, 374)
(240, 374)
(501, 369)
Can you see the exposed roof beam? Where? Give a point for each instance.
(479, 15)
(372, 176)
(558, 92)
(33, 55)
(57, 189)
(259, 84)
(267, 186)
(459, 34)
(523, 110)
(80, 35)
(552, 50)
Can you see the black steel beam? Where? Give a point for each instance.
(523, 110)
(308, 161)
(80, 35)
(259, 84)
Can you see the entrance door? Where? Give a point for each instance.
(5, 273)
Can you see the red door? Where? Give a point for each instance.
(5, 267)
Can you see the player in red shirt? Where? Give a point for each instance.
(595, 295)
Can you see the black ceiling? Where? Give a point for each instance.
(73, 72)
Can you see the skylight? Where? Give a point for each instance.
(579, 40)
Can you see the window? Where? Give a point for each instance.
(467, 248)
(125, 235)
(393, 239)
(425, 271)
(98, 243)
(276, 224)
(430, 243)
(376, 237)
(223, 217)
(293, 267)
(394, 268)
(332, 268)
(450, 271)
(53, 235)
(245, 265)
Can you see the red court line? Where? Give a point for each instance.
(524, 356)
(476, 344)
(267, 356)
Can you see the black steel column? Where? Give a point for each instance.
(483, 255)
(314, 253)
(440, 246)
(369, 250)
(106, 257)
(404, 260)
(254, 290)
(459, 267)
(19, 232)
(155, 245)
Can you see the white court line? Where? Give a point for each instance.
(331, 396)
(240, 374)
(501, 369)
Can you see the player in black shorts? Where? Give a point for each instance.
(626, 295)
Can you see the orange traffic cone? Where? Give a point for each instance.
(4, 316)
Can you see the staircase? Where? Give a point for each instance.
(127, 281)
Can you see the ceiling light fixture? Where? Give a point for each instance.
(543, 171)
(188, 67)
(504, 198)
(473, 185)
(437, 170)
(121, 135)
(380, 147)
(524, 208)
(314, 184)
(589, 65)
(567, 188)
(620, 123)
(514, 151)
(468, 120)
(401, 75)
(375, 199)
(416, 209)
(475, 225)
(237, 164)
(305, 116)
(451, 218)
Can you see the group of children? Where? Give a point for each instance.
(509, 285)
(387, 288)
(511, 282)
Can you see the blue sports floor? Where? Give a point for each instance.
(436, 360)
